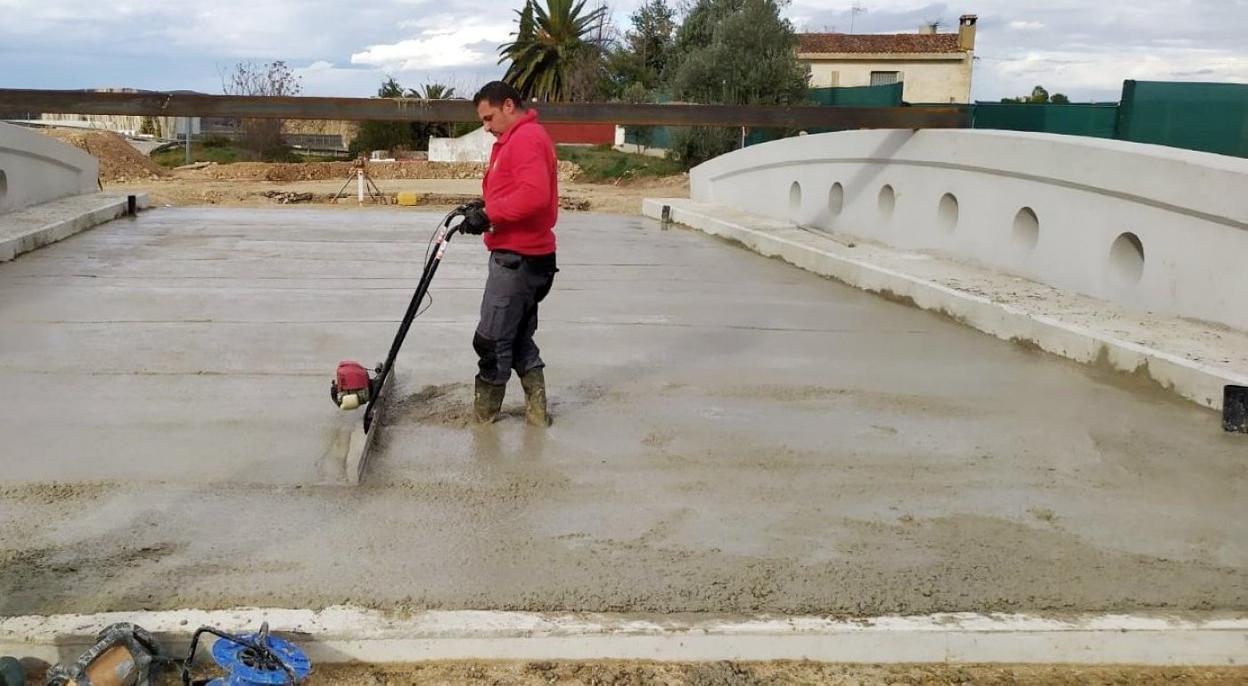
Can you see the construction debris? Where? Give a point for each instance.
(573, 204)
(194, 165)
(288, 197)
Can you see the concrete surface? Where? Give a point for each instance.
(34, 227)
(344, 634)
(732, 435)
(1152, 228)
(35, 168)
(1190, 358)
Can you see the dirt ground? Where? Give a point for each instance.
(192, 188)
(260, 184)
(645, 673)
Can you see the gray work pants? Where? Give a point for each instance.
(504, 337)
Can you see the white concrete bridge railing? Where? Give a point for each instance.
(35, 168)
(1148, 227)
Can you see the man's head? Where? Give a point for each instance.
(499, 106)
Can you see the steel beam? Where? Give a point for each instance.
(411, 109)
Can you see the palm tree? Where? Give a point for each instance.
(551, 47)
(432, 91)
(423, 131)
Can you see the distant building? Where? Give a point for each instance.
(934, 67)
(130, 125)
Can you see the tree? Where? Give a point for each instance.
(432, 91)
(422, 131)
(262, 137)
(383, 135)
(643, 55)
(1039, 96)
(737, 52)
(558, 50)
(394, 136)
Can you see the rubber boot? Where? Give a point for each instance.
(487, 401)
(534, 383)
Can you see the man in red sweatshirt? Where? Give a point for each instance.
(521, 205)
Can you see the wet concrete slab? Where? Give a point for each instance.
(731, 435)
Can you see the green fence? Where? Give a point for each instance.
(1212, 117)
(1097, 120)
(849, 96)
(864, 96)
(861, 96)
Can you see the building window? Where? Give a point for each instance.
(885, 78)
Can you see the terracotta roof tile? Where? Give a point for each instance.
(873, 43)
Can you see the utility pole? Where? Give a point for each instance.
(854, 11)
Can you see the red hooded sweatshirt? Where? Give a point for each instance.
(521, 189)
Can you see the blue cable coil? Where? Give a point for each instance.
(245, 668)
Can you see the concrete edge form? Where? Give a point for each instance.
(13, 246)
(1196, 381)
(346, 634)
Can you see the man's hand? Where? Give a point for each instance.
(476, 221)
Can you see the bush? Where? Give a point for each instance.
(693, 145)
(215, 140)
(602, 164)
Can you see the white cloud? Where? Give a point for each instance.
(1026, 25)
(457, 45)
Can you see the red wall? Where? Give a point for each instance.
(593, 134)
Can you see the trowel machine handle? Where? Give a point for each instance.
(353, 386)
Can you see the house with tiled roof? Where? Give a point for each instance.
(933, 67)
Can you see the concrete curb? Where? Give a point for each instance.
(13, 246)
(346, 634)
(1195, 381)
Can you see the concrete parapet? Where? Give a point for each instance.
(35, 168)
(1152, 228)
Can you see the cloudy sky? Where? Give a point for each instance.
(1084, 49)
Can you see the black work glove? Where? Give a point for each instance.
(476, 221)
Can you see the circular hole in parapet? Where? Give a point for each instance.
(887, 202)
(1126, 258)
(947, 212)
(1026, 229)
(836, 199)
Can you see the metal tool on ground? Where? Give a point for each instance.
(127, 655)
(123, 655)
(11, 672)
(354, 387)
(364, 183)
(256, 659)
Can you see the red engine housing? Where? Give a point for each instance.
(352, 377)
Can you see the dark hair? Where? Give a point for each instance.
(496, 92)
